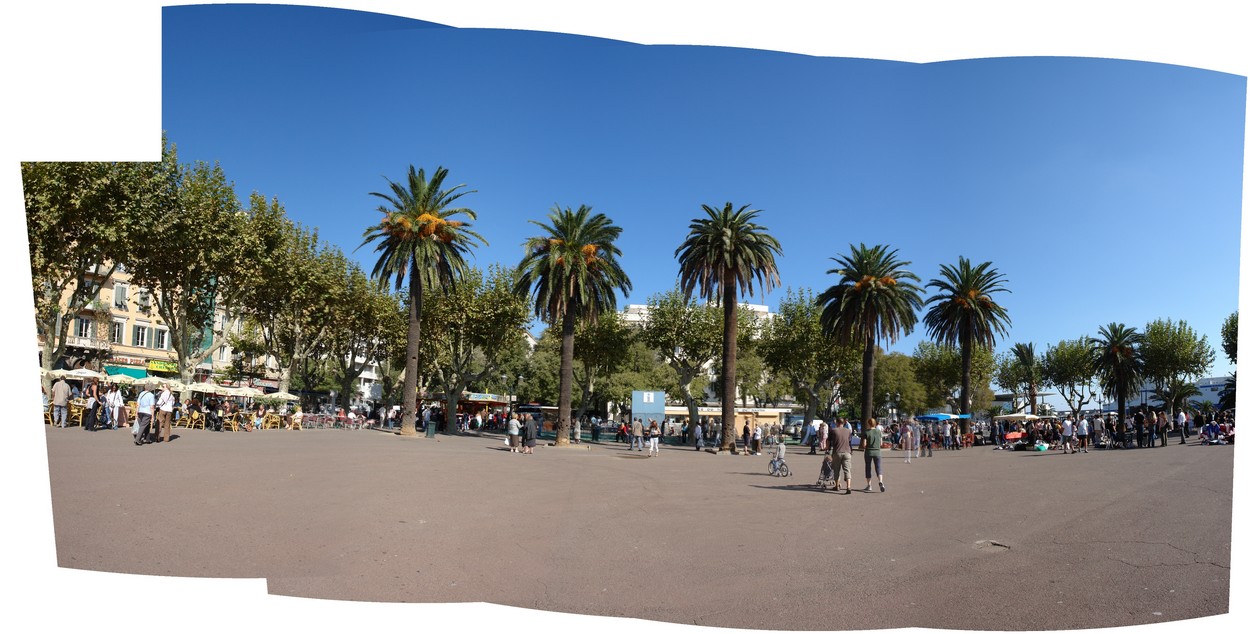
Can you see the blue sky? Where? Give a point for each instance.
(1103, 190)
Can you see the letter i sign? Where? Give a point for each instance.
(648, 397)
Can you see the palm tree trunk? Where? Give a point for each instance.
(729, 366)
(965, 381)
(408, 426)
(565, 409)
(865, 388)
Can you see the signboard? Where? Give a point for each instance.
(648, 405)
(157, 365)
(270, 383)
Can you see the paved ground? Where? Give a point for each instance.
(975, 539)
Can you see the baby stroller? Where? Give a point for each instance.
(826, 478)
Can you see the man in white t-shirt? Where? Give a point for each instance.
(1082, 435)
(1181, 425)
(1067, 434)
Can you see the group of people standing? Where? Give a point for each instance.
(522, 435)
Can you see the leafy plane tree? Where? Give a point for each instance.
(418, 239)
(687, 336)
(724, 254)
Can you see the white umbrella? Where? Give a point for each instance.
(283, 396)
(206, 388)
(174, 385)
(248, 391)
(84, 373)
(121, 379)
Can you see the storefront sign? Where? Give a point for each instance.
(156, 365)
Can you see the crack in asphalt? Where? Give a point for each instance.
(1187, 563)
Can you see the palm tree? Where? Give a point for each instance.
(724, 254)
(1118, 362)
(964, 313)
(1176, 393)
(572, 274)
(1026, 356)
(873, 300)
(418, 240)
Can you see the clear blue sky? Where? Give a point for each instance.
(1103, 190)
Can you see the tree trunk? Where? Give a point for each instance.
(452, 401)
(729, 366)
(692, 408)
(965, 381)
(865, 390)
(284, 379)
(813, 402)
(1032, 397)
(587, 390)
(408, 427)
(565, 405)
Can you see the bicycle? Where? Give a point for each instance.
(778, 467)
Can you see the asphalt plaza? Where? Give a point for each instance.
(971, 539)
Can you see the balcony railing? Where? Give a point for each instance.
(93, 343)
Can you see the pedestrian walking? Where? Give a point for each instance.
(514, 434)
(60, 401)
(907, 439)
(757, 437)
(531, 434)
(1162, 422)
(840, 450)
(1180, 424)
(164, 413)
(870, 441)
(698, 437)
(114, 403)
(1152, 424)
(146, 406)
(1066, 435)
(653, 439)
(1082, 435)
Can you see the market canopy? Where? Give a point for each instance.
(121, 379)
(283, 396)
(929, 418)
(1017, 416)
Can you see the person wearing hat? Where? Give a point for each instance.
(146, 405)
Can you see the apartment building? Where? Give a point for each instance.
(122, 331)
